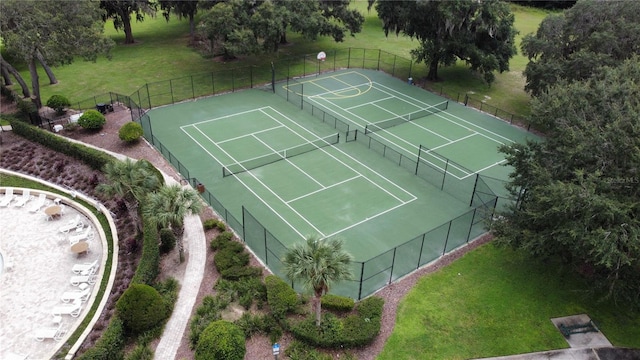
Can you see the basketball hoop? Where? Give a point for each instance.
(322, 56)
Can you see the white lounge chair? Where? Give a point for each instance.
(86, 268)
(76, 295)
(50, 333)
(7, 198)
(73, 224)
(40, 202)
(22, 200)
(82, 279)
(74, 309)
(87, 235)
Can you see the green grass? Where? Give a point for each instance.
(494, 302)
(161, 53)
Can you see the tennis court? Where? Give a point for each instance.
(277, 174)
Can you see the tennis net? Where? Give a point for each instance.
(385, 124)
(267, 159)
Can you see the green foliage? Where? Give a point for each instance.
(301, 351)
(250, 323)
(205, 314)
(168, 206)
(110, 346)
(222, 240)
(214, 224)
(148, 166)
(140, 352)
(130, 132)
(280, 296)
(221, 340)
(96, 159)
(337, 303)
(148, 267)
(141, 308)
(353, 331)
(241, 272)
(26, 107)
(58, 103)
(232, 255)
(92, 120)
(167, 240)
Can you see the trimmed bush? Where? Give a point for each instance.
(221, 240)
(130, 132)
(237, 273)
(221, 340)
(96, 159)
(210, 224)
(110, 346)
(231, 255)
(148, 267)
(92, 120)
(280, 296)
(141, 308)
(167, 240)
(58, 103)
(337, 303)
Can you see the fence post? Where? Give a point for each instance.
(473, 218)
(364, 56)
(418, 161)
(379, 53)
(446, 239)
(393, 70)
(243, 226)
(473, 194)
(444, 175)
(266, 248)
(349, 59)
(213, 84)
(420, 254)
(193, 90)
(251, 77)
(393, 262)
(335, 55)
(466, 99)
(171, 90)
(361, 280)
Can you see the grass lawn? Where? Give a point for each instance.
(494, 302)
(161, 53)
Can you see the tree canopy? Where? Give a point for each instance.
(481, 33)
(51, 33)
(238, 27)
(120, 11)
(580, 197)
(579, 42)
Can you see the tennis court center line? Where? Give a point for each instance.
(247, 135)
(324, 188)
(243, 183)
(291, 163)
(347, 155)
(368, 103)
(440, 114)
(221, 117)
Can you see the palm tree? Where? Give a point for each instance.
(130, 180)
(318, 264)
(168, 206)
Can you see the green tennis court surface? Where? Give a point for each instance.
(267, 161)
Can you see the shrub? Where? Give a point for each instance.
(141, 308)
(232, 255)
(241, 272)
(167, 240)
(205, 314)
(300, 351)
(221, 340)
(140, 352)
(280, 296)
(58, 103)
(250, 324)
(221, 240)
(154, 170)
(130, 132)
(26, 107)
(92, 120)
(148, 266)
(210, 224)
(337, 303)
(110, 346)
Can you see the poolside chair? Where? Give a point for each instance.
(22, 200)
(86, 268)
(87, 235)
(40, 202)
(74, 309)
(83, 279)
(73, 224)
(7, 198)
(50, 333)
(76, 295)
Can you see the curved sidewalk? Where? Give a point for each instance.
(196, 249)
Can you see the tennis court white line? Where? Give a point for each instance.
(289, 161)
(247, 135)
(367, 103)
(339, 90)
(453, 116)
(485, 168)
(261, 183)
(452, 142)
(347, 155)
(242, 182)
(408, 121)
(324, 188)
(363, 221)
(221, 117)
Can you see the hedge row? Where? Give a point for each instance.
(96, 159)
(280, 296)
(353, 331)
(231, 259)
(110, 346)
(148, 266)
(337, 303)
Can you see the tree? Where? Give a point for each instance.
(239, 27)
(481, 33)
(52, 33)
(579, 42)
(120, 11)
(141, 307)
(318, 264)
(182, 8)
(130, 180)
(580, 192)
